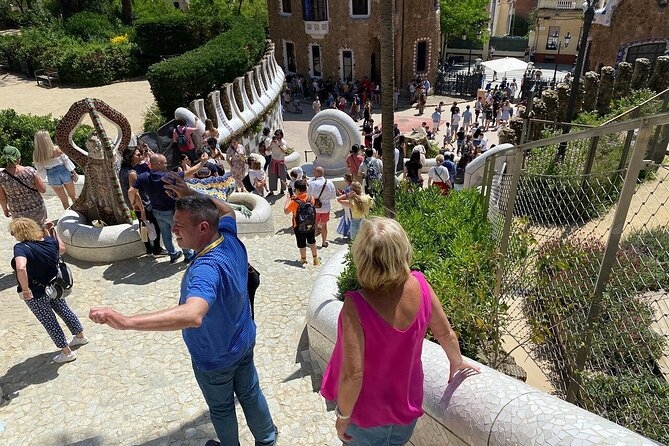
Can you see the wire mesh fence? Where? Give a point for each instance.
(582, 225)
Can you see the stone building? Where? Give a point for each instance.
(625, 30)
(341, 38)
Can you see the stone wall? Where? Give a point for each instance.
(415, 20)
(632, 21)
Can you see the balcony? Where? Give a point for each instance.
(316, 30)
(559, 4)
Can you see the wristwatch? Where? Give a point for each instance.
(339, 415)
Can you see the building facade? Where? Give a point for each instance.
(340, 39)
(625, 30)
(555, 20)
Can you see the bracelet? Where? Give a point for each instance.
(339, 415)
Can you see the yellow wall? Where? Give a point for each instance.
(568, 21)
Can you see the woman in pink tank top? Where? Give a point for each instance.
(375, 373)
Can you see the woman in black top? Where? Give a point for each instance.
(36, 263)
(412, 169)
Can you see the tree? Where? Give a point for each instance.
(126, 12)
(387, 109)
(458, 17)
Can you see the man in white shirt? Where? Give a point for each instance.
(372, 169)
(323, 190)
(484, 143)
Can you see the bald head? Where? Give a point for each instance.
(319, 172)
(158, 162)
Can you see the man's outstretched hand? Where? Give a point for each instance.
(108, 316)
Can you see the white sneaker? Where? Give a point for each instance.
(78, 341)
(62, 358)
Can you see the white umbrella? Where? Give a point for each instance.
(505, 64)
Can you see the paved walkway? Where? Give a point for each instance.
(135, 388)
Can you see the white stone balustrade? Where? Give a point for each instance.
(259, 101)
(486, 409)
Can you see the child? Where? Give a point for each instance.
(258, 178)
(436, 120)
(448, 136)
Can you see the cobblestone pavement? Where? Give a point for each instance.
(137, 388)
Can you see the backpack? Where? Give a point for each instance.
(182, 141)
(372, 172)
(305, 216)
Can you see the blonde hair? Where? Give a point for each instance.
(382, 254)
(439, 159)
(24, 229)
(44, 148)
(356, 201)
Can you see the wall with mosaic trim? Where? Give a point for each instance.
(486, 409)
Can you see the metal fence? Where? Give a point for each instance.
(451, 84)
(582, 226)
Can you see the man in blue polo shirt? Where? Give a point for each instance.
(214, 315)
(162, 204)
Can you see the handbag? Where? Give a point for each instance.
(252, 283)
(317, 201)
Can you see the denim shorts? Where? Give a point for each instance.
(59, 175)
(387, 435)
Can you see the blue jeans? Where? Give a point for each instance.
(355, 227)
(219, 388)
(388, 435)
(165, 220)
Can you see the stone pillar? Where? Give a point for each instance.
(507, 136)
(605, 92)
(563, 92)
(623, 80)
(591, 85)
(516, 124)
(659, 81)
(550, 98)
(641, 72)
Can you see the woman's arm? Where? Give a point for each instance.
(3, 202)
(344, 201)
(353, 362)
(444, 334)
(22, 277)
(39, 184)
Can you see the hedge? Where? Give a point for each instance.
(82, 63)
(178, 80)
(176, 33)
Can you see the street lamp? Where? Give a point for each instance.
(588, 17)
(567, 39)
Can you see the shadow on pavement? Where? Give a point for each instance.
(288, 230)
(141, 271)
(92, 441)
(295, 263)
(36, 370)
(179, 433)
(7, 281)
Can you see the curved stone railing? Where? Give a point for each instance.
(239, 104)
(486, 409)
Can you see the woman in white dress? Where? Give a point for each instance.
(56, 167)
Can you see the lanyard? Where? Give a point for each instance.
(209, 247)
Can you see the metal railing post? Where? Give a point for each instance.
(508, 220)
(609, 257)
(628, 141)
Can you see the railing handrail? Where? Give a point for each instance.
(638, 107)
(604, 129)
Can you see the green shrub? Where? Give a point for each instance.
(624, 347)
(19, 131)
(453, 247)
(176, 33)
(90, 26)
(153, 119)
(177, 81)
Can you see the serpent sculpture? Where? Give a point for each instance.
(101, 197)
